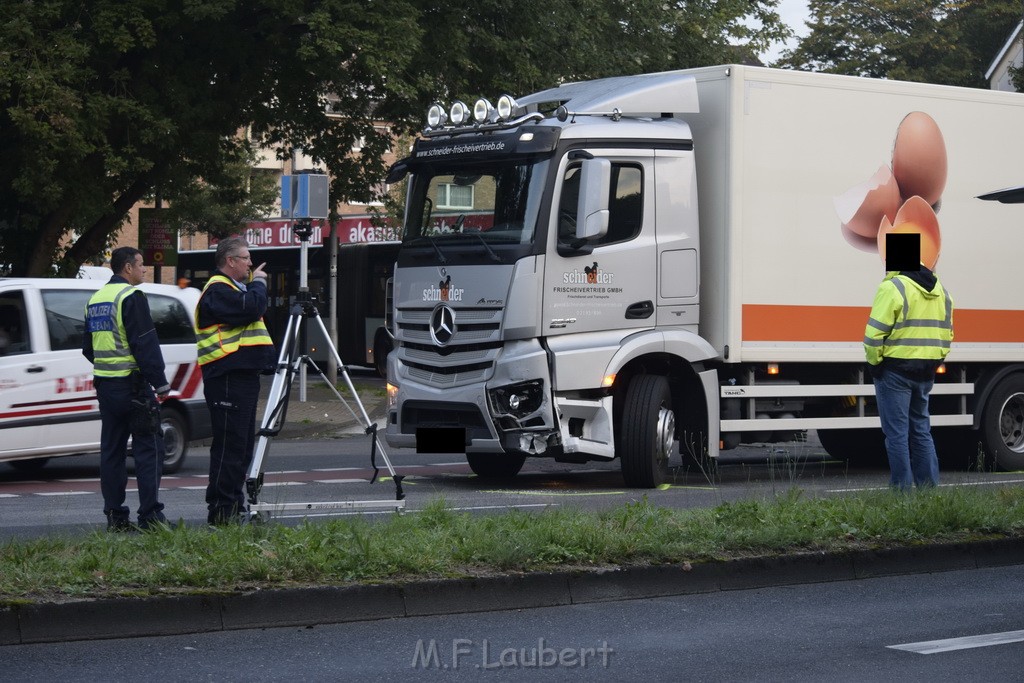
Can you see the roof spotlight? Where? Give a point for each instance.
(459, 113)
(483, 111)
(507, 107)
(436, 116)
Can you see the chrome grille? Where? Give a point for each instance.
(469, 356)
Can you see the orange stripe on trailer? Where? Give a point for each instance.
(768, 323)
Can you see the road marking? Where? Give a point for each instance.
(64, 493)
(76, 481)
(953, 485)
(338, 469)
(9, 495)
(930, 647)
(192, 488)
(555, 493)
(287, 472)
(269, 484)
(341, 481)
(391, 512)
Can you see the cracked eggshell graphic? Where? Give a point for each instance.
(862, 208)
(916, 215)
(919, 161)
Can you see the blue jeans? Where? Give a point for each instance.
(903, 408)
(115, 398)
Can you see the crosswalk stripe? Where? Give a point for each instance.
(930, 647)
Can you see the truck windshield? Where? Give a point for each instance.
(494, 203)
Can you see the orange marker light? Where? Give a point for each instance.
(608, 381)
(941, 370)
(773, 368)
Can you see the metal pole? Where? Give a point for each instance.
(332, 290)
(303, 296)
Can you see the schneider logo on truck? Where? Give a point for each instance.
(639, 294)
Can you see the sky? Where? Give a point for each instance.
(794, 14)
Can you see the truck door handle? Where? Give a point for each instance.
(640, 310)
(34, 368)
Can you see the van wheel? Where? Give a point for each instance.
(646, 432)
(1002, 423)
(30, 466)
(175, 433)
(495, 465)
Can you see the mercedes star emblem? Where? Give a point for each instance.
(442, 324)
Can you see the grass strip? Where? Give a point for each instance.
(439, 542)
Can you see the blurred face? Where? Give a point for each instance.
(237, 266)
(135, 272)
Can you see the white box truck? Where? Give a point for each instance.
(602, 269)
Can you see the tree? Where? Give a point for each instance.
(949, 42)
(108, 102)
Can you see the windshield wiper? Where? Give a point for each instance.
(490, 252)
(440, 254)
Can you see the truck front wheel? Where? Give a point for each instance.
(646, 432)
(1002, 423)
(495, 465)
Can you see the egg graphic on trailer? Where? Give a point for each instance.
(916, 215)
(919, 162)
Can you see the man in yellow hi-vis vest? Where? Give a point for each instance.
(128, 367)
(234, 347)
(907, 337)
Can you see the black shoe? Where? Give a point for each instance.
(153, 522)
(225, 519)
(120, 525)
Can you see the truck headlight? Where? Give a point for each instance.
(518, 400)
(392, 395)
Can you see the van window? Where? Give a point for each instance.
(14, 338)
(172, 322)
(65, 316)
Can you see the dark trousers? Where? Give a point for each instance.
(232, 399)
(115, 398)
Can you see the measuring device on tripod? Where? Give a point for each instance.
(304, 201)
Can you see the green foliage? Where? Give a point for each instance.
(108, 102)
(440, 542)
(949, 42)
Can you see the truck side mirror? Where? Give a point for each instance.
(592, 209)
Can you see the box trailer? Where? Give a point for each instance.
(602, 269)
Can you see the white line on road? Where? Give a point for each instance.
(341, 481)
(391, 512)
(9, 495)
(268, 484)
(953, 485)
(76, 481)
(337, 469)
(64, 493)
(930, 647)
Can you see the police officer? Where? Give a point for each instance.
(234, 347)
(907, 337)
(127, 367)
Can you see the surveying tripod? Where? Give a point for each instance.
(289, 363)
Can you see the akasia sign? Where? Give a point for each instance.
(351, 229)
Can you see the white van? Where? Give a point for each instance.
(48, 405)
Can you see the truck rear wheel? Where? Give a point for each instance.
(495, 465)
(1002, 423)
(855, 446)
(646, 432)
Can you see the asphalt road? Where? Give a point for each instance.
(952, 626)
(64, 497)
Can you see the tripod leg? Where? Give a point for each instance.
(368, 425)
(276, 402)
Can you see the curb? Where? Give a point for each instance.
(132, 617)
